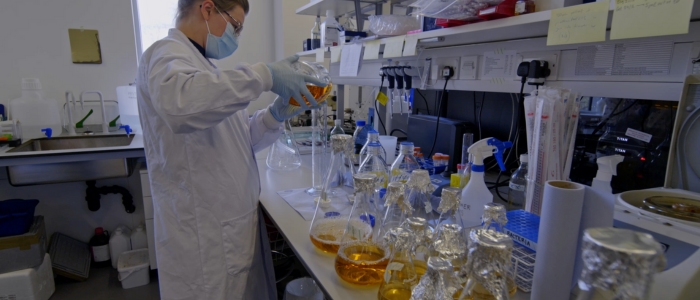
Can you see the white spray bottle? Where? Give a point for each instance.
(607, 168)
(475, 195)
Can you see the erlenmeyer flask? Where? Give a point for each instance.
(449, 208)
(362, 258)
(494, 217)
(284, 153)
(438, 282)
(317, 71)
(319, 148)
(400, 275)
(396, 205)
(404, 164)
(421, 219)
(331, 216)
(372, 137)
(488, 267)
(375, 164)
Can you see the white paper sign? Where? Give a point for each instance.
(335, 54)
(410, 48)
(500, 64)
(636, 134)
(372, 49)
(320, 55)
(350, 59)
(394, 46)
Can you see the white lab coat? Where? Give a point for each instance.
(200, 147)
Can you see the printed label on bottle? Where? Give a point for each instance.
(520, 7)
(100, 253)
(395, 266)
(331, 36)
(517, 187)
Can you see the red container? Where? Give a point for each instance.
(503, 10)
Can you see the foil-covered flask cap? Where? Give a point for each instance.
(420, 180)
(494, 213)
(364, 182)
(489, 261)
(450, 200)
(403, 239)
(621, 261)
(395, 193)
(418, 226)
(428, 286)
(390, 236)
(450, 242)
(339, 142)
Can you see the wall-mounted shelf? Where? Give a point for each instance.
(341, 7)
(312, 53)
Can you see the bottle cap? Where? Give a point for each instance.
(31, 84)
(338, 122)
(360, 123)
(374, 131)
(99, 231)
(330, 13)
(523, 158)
(416, 148)
(118, 231)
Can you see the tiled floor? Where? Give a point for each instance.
(104, 284)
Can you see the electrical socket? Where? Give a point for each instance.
(443, 62)
(552, 58)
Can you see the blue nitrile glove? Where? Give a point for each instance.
(282, 110)
(287, 84)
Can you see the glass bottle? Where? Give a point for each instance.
(404, 164)
(400, 275)
(316, 31)
(438, 282)
(372, 137)
(524, 7)
(618, 264)
(362, 257)
(338, 128)
(488, 268)
(518, 185)
(319, 145)
(284, 153)
(318, 71)
(375, 164)
(331, 216)
(397, 205)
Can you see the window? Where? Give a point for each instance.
(153, 19)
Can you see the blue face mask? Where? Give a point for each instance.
(221, 47)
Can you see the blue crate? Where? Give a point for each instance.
(523, 227)
(16, 216)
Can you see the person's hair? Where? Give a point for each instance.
(184, 7)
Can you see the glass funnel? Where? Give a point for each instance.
(400, 276)
(362, 257)
(332, 209)
(284, 153)
(317, 71)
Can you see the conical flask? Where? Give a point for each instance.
(438, 282)
(421, 219)
(488, 268)
(319, 146)
(332, 212)
(400, 275)
(449, 208)
(494, 217)
(284, 153)
(397, 205)
(374, 163)
(404, 164)
(362, 258)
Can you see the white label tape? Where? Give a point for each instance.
(636, 134)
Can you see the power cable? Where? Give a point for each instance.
(437, 123)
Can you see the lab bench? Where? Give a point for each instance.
(296, 231)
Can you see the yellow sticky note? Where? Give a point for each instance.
(335, 54)
(411, 43)
(394, 46)
(320, 55)
(642, 18)
(372, 49)
(382, 98)
(578, 24)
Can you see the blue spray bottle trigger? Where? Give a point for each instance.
(500, 147)
(48, 132)
(126, 128)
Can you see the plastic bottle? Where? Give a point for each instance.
(359, 138)
(99, 246)
(316, 31)
(607, 168)
(118, 243)
(139, 240)
(518, 184)
(330, 29)
(35, 112)
(475, 195)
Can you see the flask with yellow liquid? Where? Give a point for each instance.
(318, 71)
(400, 276)
(362, 256)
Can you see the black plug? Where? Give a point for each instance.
(539, 70)
(448, 72)
(523, 71)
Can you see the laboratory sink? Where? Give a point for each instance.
(48, 173)
(74, 142)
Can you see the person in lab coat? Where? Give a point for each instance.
(200, 146)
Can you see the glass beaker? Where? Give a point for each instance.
(488, 267)
(438, 282)
(284, 153)
(317, 71)
(405, 164)
(400, 275)
(331, 216)
(375, 164)
(362, 257)
(319, 146)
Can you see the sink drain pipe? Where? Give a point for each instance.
(93, 195)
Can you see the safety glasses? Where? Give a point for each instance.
(237, 26)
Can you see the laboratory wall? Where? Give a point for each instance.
(296, 27)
